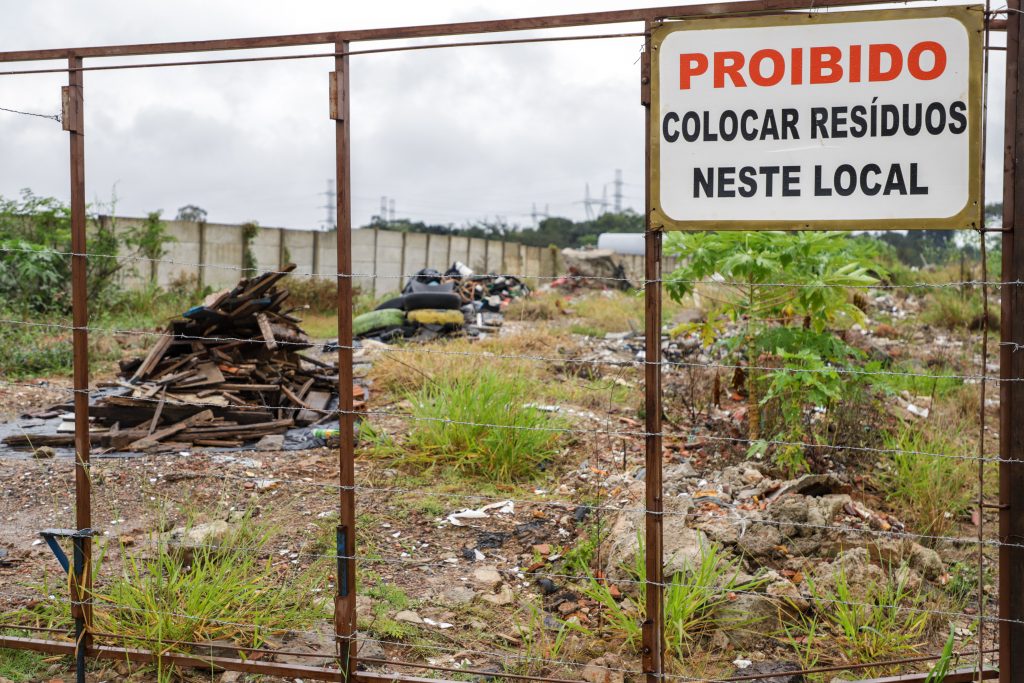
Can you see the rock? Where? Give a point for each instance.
(409, 617)
(502, 597)
(458, 595)
(488, 577)
(547, 586)
(760, 541)
(886, 331)
(722, 530)
(369, 649)
(201, 535)
(751, 617)
(230, 677)
(680, 470)
(855, 567)
(683, 545)
(270, 442)
(364, 604)
(788, 595)
(605, 669)
(44, 453)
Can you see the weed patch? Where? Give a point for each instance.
(914, 478)
(199, 595)
(886, 622)
(697, 601)
(22, 665)
(480, 424)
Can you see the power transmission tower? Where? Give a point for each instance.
(383, 210)
(329, 223)
(618, 190)
(391, 209)
(604, 200)
(535, 214)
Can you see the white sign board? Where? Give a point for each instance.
(846, 120)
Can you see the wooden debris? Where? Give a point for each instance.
(226, 373)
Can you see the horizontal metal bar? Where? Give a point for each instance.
(227, 663)
(318, 55)
(437, 30)
(964, 675)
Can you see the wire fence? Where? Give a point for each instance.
(151, 469)
(513, 627)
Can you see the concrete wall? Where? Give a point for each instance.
(380, 258)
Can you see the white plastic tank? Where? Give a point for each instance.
(622, 242)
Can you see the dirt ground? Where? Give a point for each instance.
(475, 583)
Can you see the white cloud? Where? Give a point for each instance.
(451, 135)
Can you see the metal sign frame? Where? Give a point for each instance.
(972, 18)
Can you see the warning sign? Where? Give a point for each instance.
(840, 121)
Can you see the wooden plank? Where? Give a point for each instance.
(156, 352)
(267, 330)
(156, 414)
(152, 439)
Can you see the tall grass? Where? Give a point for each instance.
(228, 591)
(698, 601)
(888, 620)
(480, 424)
(933, 490)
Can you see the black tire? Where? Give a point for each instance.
(443, 300)
(398, 302)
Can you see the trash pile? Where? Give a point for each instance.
(593, 269)
(228, 372)
(433, 304)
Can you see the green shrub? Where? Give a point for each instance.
(453, 426)
(788, 290)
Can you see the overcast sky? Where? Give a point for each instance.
(450, 135)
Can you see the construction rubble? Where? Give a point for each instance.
(227, 373)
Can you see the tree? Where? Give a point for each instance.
(786, 289)
(191, 213)
(150, 241)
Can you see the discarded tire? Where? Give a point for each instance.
(417, 300)
(435, 316)
(398, 302)
(376, 320)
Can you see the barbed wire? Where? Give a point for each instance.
(491, 355)
(52, 117)
(567, 505)
(568, 275)
(593, 431)
(709, 590)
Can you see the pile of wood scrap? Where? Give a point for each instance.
(227, 373)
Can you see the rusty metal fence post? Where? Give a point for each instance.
(653, 626)
(80, 570)
(1011, 369)
(345, 600)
